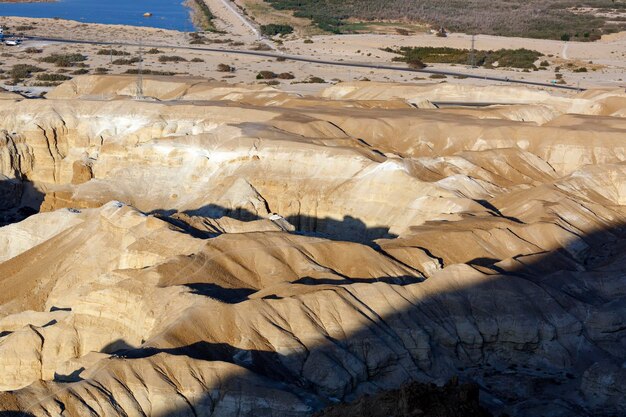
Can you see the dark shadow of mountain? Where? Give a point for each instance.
(540, 292)
(349, 229)
(225, 295)
(19, 199)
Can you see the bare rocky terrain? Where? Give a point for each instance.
(236, 250)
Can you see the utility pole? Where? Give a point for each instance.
(139, 76)
(472, 54)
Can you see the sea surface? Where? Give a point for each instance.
(166, 14)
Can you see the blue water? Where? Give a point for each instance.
(166, 14)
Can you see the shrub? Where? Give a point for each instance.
(80, 71)
(126, 61)
(101, 70)
(21, 71)
(514, 58)
(23, 28)
(197, 60)
(308, 41)
(286, 76)
(111, 51)
(171, 58)
(266, 75)
(274, 29)
(544, 63)
(31, 50)
(315, 80)
(64, 60)
(437, 76)
(53, 77)
(153, 51)
(261, 47)
(581, 69)
(149, 72)
(225, 68)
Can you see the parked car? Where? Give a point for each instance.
(12, 42)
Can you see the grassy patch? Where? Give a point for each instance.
(527, 18)
(510, 58)
(273, 29)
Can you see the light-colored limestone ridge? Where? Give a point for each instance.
(245, 251)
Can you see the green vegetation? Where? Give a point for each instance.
(528, 18)
(111, 51)
(171, 58)
(53, 77)
(149, 72)
(273, 29)
(266, 75)
(20, 71)
(511, 58)
(126, 61)
(64, 60)
(101, 70)
(225, 68)
(80, 71)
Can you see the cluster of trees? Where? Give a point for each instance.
(273, 29)
(511, 58)
(529, 18)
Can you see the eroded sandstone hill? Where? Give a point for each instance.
(232, 250)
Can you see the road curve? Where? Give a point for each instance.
(300, 58)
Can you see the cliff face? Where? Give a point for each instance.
(251, 252)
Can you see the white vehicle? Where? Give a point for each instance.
(12, 42)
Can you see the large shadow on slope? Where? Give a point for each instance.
(19, 199)
(516, 333)
(349, 228)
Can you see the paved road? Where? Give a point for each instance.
(300, 58)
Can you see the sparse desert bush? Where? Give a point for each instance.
(315, 80)
(149, 72)
(64, 60)
(274, 29)
(21, 71)
(52, 77)
(100, 70)
(544, 63)
(111, 51)
(171, 58)
(225, 68)
(266, 75)
(308, 41)
(437, 76)
(512, 58)
(80, 71)
(581, 69)
(126, 61)
(32, 50)
(24, 28)
(286, 76)
(261, 47)
(197, 60)
(153, 51)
